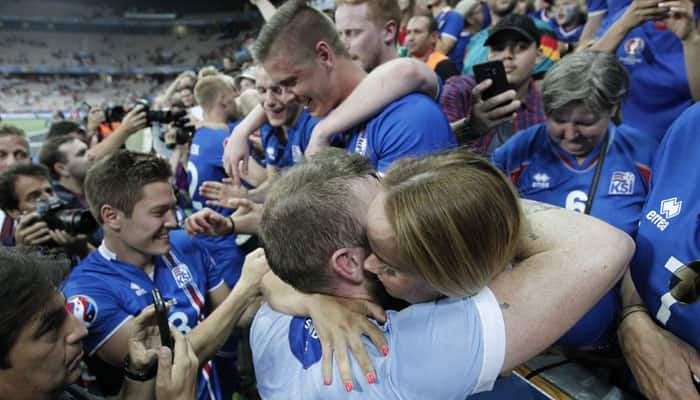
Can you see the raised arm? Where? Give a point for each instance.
(592, 26)
(636, 14)
(680, 21)
(453, 25)
(266, 8)
(133, 121)
(385, 84)
(570, 261)
(164, 99)
(209, 335)
(236, 152)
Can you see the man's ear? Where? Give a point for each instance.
(389, 32)
(111, 217)
(14, 214)
(325, 54)
(434, 37)
(221, 100)
(348, 263)
(60, 169)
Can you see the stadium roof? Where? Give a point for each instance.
(180, 7)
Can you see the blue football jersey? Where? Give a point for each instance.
(659, 89)
(541, 170)
(450, 24)
(571, 36)
(298, 136)
(667, 259)
(103, 293)
(205, 164)
(414, 125)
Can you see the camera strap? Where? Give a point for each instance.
(596, 175)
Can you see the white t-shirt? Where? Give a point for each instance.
(446, 349)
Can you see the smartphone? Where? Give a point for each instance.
(162, 318)
(492, 70)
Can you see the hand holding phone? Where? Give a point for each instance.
(492, 70)
(162, 317)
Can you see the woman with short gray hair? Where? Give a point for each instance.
(584, 160)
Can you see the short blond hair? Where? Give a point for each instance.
(378, 11)
(313, 203)
(456, 219)
(247, 101)
(295, 29)
(209, 88)
(209, 70)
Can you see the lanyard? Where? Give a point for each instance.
(596, 176)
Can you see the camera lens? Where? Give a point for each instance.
(77, 221)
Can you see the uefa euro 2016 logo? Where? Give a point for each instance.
(82, 307)
(634, 46)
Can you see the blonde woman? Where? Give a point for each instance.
(427, 223)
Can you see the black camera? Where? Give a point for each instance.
(114, 114)
(183, 131)
(164, 116)
(57, 215)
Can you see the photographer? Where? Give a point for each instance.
(14, 149)
(68, 160)
(131, 122)
(27, 196)
(108, 129)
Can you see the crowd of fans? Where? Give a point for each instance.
(60, 49)
(44, 93)
(361, 166)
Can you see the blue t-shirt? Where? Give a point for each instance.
(596, 7)
(413, 125)
(608, 7)
(571, 36)
(668, 240)
(542, 16)
(450, 24)
(460, 48)
(461, 342)
(659, 89)
(284, 155)
(104, 293)
(541, 170)
(205, 164)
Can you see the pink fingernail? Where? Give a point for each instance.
(385, 351)
(348, 386)
(326, 382)
(371, 378)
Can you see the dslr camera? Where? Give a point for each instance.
(114, 114)
(57, 215)
(164, 116)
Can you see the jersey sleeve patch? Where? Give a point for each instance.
(84, 308)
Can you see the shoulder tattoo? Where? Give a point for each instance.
(533, 207)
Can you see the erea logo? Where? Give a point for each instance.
(668, 209)
(83, 308)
